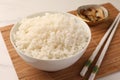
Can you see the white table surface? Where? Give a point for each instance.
(12, 10)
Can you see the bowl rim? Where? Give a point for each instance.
(38, 14)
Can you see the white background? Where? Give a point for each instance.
(12, 10)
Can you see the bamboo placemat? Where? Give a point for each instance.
(111, 62)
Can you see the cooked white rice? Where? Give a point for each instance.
(52, 36)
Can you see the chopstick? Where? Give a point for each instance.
(98, 63)
(92, 57)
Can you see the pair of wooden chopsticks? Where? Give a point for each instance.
(108, 35)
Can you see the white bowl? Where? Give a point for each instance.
(84, 7)
(50, 65)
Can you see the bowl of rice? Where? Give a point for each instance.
(50, 41)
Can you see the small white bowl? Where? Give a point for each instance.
(85, 7)
(50, 65)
